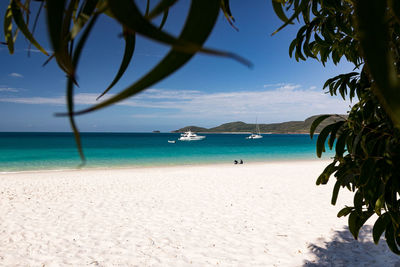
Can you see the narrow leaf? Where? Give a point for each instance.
(344, 212)
(88, 8)
(19, 20)
(335, 129)
(316, 122)
(203, 15)
(341, 144)
(322, 138)
(129, 49)
(335, 192)
(8, 29)
(164, 19)
(277, 6)
(161, 7)
(324, 176)
(226, 10)
(127, 13)
(147, 8)
(296, 13)
(379, 204)
(55, 19)
(70, 86)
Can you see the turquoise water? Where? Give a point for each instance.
(38, 151)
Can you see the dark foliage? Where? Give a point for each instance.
(367, 144)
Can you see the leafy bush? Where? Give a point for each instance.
(367, 143)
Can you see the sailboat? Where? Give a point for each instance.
(256, 134)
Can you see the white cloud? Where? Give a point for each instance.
(273, 85)
(8, 89)
(16, 75)
(285, 102)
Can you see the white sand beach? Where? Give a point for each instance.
(261, 214)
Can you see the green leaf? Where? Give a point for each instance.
(129, 49)
(127, 13)
(335, 129)
(380, 227)
(324, 176)
(322, 138)
(335, 192)
(164, 19)
(161, 7)
(8, 29)
(19, 20)
(345, 211)
(56, 27)
(353, 224)
(226, 10)
(316, 122)
(277, 6)
(70, 86)
(341, 143)
(390, 239)
(147, 8)
(88, 8)
(358, 201)
(356, 142)
(356, 221)
(379, 204)
(202, 15)
(296, 13)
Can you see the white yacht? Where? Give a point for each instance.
(256, 134)
(190, 136)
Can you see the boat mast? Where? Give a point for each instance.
(257, 127)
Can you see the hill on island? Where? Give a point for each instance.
(300, 127)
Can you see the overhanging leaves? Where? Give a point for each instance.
(8, 29)
(202, 12)
(19, 21)
(130, 39)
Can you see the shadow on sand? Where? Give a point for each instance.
(343, 250)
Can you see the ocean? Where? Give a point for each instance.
(54, 151)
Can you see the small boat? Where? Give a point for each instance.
(256, 134)
(190, 136)
(171, 141)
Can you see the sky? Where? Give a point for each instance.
(206, 92)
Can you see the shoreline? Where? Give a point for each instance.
(179, 165)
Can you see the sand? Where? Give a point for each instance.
(264, 214)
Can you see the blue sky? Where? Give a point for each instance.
(207, 91)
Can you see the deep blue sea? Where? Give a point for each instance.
(45, 151)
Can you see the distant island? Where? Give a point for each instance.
(156, 131)
(290, 127)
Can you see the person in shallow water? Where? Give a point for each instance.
(241, 162)
(235, 161)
